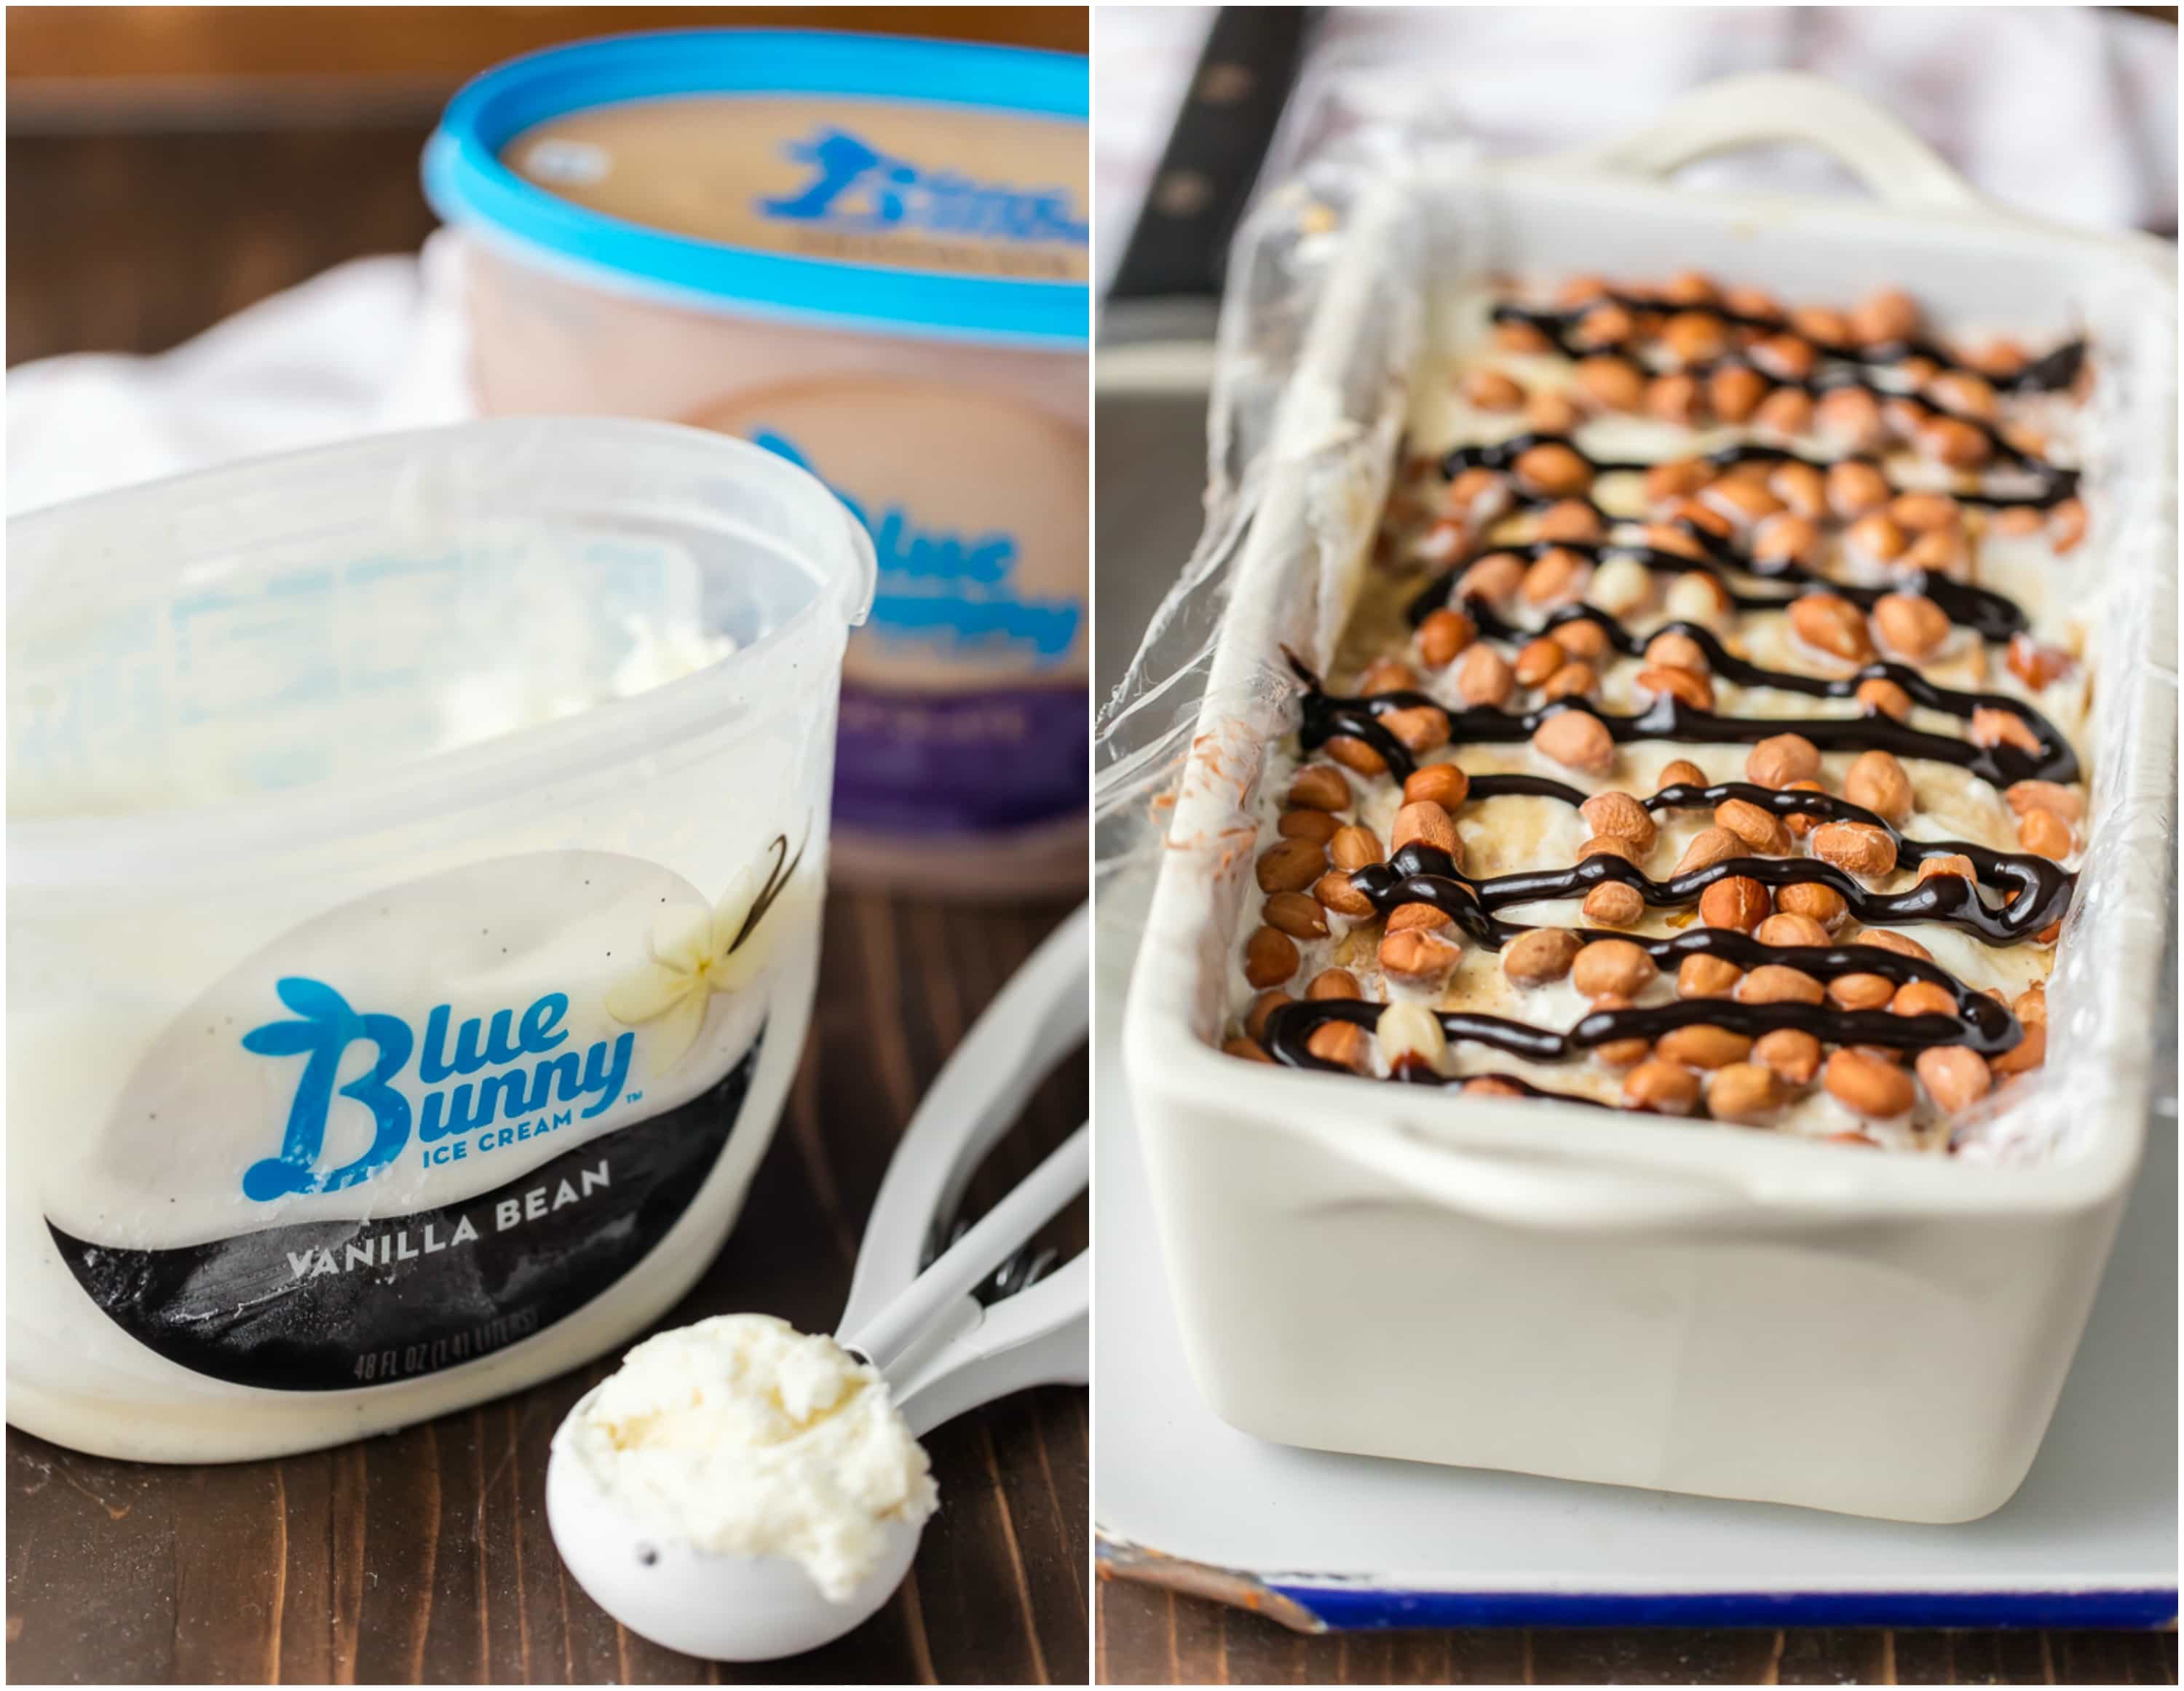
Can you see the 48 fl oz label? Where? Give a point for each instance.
(376, 1367)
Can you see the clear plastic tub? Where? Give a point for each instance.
(415, 856)
(870, 256)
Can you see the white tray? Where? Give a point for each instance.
(1322, 1541)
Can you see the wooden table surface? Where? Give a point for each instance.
(1148, 1635)
(424, 1555)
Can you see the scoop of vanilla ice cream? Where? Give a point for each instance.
(739, 1435)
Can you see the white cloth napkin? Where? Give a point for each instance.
(370, 346)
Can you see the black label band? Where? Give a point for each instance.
(329, 1306)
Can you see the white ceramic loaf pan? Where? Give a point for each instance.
(1633, 1300)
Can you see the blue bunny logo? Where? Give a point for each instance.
(326, 1029)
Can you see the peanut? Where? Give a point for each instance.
(1443, 784)
(1612, 905)
(1922, 997)
(1553, 470)
(1877, 783)
(1494, 578)
(1786, 927)
(1410, 1035)
(1333, 983)
(1667, 1088)
(1609, 845)
(1291, 865)
(1557, 577)
(1781, 759)
(1786, 539)
(1954, 1076)
(1580, 636)
(1857, 847)
(1856, 489)
(1708, 847)
(1614, 384)
(1911, 623)
(1620, 816)
(1297, 914)
(1690, 688)
(1734, 392)
(1419, 727)
(1860, 992)
(1334, 890)
(1611, 965)
(1785, 357)
(1250, 1049)
(1821, 903)
(1681, 773)
(1355, 846)
(2063, 802)
(1828, 622)
(1574, 680)
(1706, 977)
(1270, 957)
(1786, 411)
(1736, 902)
(1387, 674)
(1343, 1043)
(1484, 678)
(1317, 826)
(2036, 665)
(1775, 983)
(1571, 519)
(1883, 698)
(2029, 1053)
(1320, 787)
(1578, 740)
(1419, 957)
(1759, 829)
(1673, 399)
(1801, 486)
(2045, 833)
(1926, 513)
(1675, 651)
(1356, 755)
(1896, 942)
(1701, 1046)
(1993, 727)
(2066, 525)
(1953, 863)
(1536, 660)
(1695, 338)
(1424, 823)
(1869, 1086)
(1791, 1053)
(1444, 635)
(1264, 1005)
(1490, 390)
(1540, 957)
(1742, 1092)
(1884, 318)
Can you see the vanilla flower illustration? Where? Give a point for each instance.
(720, 950)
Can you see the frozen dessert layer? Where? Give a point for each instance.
(1702, 741)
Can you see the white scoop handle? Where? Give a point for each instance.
(941, 1351)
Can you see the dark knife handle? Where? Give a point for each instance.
(1180, 246)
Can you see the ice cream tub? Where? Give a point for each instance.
(870, 256)
(415, 854)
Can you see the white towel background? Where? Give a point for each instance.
(2069, 112)
(2065, 112)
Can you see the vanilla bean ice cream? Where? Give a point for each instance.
(741, 1436)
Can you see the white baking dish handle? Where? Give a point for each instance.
(1787, 106)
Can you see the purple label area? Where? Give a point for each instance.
(962, 763)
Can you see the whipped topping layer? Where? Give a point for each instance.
(739, 1435)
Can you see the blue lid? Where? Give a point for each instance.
(469, 185)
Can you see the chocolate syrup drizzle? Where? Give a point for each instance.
(1325, 715)
(1987, 613)
(2057, 483)
(2049, 374)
